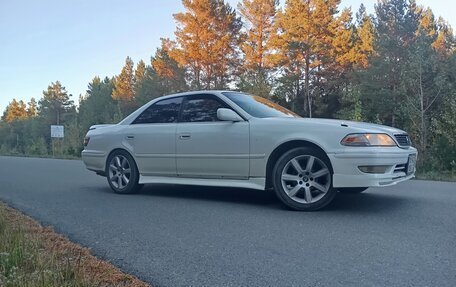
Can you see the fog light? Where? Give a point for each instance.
(373, 168)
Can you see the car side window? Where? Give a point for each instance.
(201, 109)
(165, 111)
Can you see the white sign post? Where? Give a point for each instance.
(57, 131)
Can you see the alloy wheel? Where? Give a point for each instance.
(306, 179)
(119, 172)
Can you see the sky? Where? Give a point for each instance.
(74, 41)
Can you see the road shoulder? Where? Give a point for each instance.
(31, 253)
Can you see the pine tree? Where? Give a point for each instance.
(358, 40)
(16, 110)
(303, 42)
(426, 82)
(445, 42)
(139, 79)
(443, 152)
(397, 26)
(124, 83)
(97, 105)
(124, 88)
(426, 20)
(342, 48)
(364, 38)
(206, 42)
(32, 109)
(163, 76)
(140, 72)
(150, 87)
(334, 70)
(170, 75)
(259, 17)
(290, 41)
(55, 104)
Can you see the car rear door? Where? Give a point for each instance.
(207, 147)
(153, 138)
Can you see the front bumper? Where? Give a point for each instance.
(347, 172)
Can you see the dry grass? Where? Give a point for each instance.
(32, 255)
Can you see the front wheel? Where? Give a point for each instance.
(122, 173)
(302, 179)
(352, 190)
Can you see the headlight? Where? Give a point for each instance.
(368, 140)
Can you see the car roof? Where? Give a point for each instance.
(189, 93)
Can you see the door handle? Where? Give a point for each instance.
(130, 137)
(184, 136)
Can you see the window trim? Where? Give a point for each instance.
(153, 104)
(217, 98)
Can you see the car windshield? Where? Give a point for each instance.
(259, 107)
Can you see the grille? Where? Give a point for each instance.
(400, 168)
(402, 139)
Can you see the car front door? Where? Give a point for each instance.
(152, 136)
(207, 147)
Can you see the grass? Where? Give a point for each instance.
(35, 256)
(436, 175)
(59, 156)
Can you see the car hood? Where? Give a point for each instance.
(368, 127)
(351, 125)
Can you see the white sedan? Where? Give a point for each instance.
(224, 138)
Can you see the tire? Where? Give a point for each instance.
(302, 179)
(122, 173)
(352, 190)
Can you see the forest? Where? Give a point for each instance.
(394, 67)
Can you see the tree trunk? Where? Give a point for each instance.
(393, 110)
(307, 86)
(296, 97)
(423, 124)
(198, 77)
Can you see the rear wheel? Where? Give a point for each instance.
(122, 173)
(302, 179)
(352, 190)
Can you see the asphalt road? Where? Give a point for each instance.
(199, 236)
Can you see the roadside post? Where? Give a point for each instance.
(57, 132)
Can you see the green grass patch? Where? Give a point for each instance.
(436, 175)
(41, 155)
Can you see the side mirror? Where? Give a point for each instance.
(228, 115)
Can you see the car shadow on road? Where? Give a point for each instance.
(369, 202)
(217, 194)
